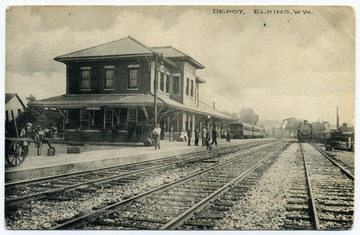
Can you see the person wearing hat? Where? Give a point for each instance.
(156, 132)
(27, 132)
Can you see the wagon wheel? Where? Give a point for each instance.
(15, 154)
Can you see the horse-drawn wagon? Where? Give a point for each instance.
(16, 150)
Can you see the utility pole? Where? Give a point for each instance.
(155, 90)
(337, 118)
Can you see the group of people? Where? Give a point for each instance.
(187, 135)
(39, 136)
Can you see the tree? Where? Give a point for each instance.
(249, 116)
(38, 116)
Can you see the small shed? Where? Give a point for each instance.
(13, 106)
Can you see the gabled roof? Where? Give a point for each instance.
(172, 53)
(10, 96)
(122, 47)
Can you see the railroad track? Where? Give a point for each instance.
(170, 206)
(324, 198)
(72, 201)
(347, 167)
(22, 192)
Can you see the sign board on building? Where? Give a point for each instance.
(92, 108)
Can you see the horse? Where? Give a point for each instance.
(42, 136)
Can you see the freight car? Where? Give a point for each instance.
(246, 131)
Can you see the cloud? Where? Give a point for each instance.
(40, 84)
(251, 60)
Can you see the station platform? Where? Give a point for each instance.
(93, 157)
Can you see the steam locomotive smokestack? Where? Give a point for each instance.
(213, 105)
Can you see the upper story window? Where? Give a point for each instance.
(162, 81)
(167, 90)
(187, 86)
(109, 77)
(85, 78)
(176, 85)
(133, 76)
(192, 88)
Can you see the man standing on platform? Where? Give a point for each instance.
(196, 136)
(156, 133)
(189, 134)
(214, 136)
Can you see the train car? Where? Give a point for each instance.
(246, 131)
(337, 139)
(304, 132)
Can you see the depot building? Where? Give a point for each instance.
(110, 93)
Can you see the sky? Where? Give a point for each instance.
(279, 64)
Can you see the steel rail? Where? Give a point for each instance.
(345, 171)
(82, 220)
(19, 200)
(179, 220)
(44, 179)
(36, 196)
(311, 194)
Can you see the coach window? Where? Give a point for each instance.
(133, 77)
(85, 78)
(109, 78)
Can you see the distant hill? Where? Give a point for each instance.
(269, 123)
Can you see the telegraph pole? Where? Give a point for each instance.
(337, 118)
(155, 90)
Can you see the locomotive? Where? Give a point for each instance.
(304, 132)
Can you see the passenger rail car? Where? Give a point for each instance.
(246, 131)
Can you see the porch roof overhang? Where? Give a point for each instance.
(100, 100)
(202, 109)
(124, 100)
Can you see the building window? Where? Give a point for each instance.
(187, 86)
(109, 77)
(162, 81)
(176, 85)
(192, 88)
(85, 120)
(108, 118)
(133, 78)
(132, 114)
(167, 84)
(85, 78)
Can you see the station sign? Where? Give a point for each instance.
(92, 108)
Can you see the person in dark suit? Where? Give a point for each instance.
(196, 136)
(214, 136)
(189, 134)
